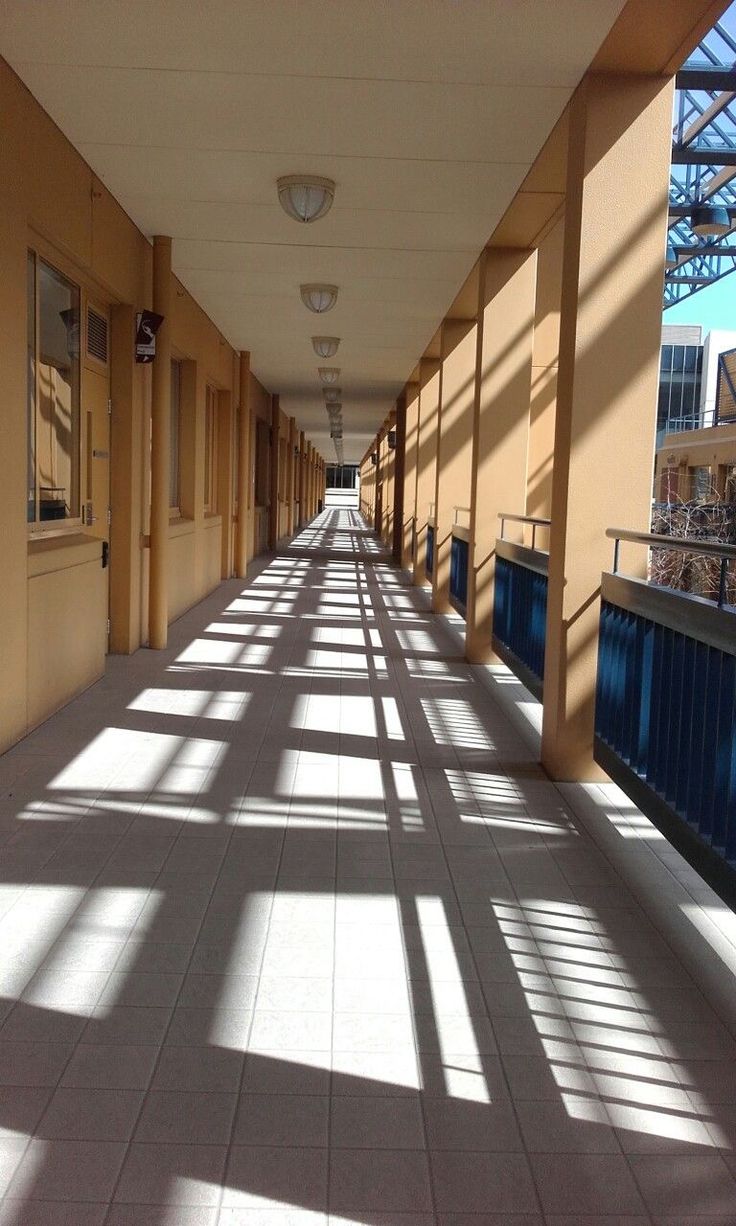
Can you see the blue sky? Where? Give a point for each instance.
(714, 307)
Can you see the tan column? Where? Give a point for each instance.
(380, 483)
(615, 226)
(500, 425)
(399, 469)
(225, 493)
(429, 407)
(544, 375)
(454, 445)
(158, 604)
(411, 451)
(300, 480)
(273, 507)
(243, 445)
(290, 475)
(128, 384)
(310, 481)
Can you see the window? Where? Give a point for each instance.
(53, 394)
(210, 451)
(174, 467)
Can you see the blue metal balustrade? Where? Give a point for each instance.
(429, 560)
(666, 711)
(459, 573)
(520, 603)
(520, 614)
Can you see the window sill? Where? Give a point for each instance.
(180, 526)
(61, 551)
(212, 519)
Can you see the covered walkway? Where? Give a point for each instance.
(295, 930)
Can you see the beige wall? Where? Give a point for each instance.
(51, 202)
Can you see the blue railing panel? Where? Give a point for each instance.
(429, 560)
(666, 707)
(520, 613)
(459, 571)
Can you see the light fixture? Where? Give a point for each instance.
(325, 346)
(319, 298)
(329, 374)
(374, 457)
(709, 220)
(332, 394)
(670, 259)
(305, 197)
(391, 437)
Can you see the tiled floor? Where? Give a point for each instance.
(295, 931)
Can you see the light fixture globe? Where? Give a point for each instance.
(319, 298)
(305, 198)
(329, 374)
(709, 220)
(325, 346)
(332, 394)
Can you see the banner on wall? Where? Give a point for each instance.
(147, 325)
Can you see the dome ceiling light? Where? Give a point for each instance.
(325, 346)
(319, 298)
(332, 394)
(305, 198)
(709, 220)
(329, 374)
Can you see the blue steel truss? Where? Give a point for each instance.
(703, 169)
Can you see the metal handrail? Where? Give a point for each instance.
(535, 520)
(683, 544)
(456, 510)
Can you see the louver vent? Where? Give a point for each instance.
(96, 336)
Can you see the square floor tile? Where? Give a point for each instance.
(172, 1175)
(367, 1180)
(198, 1068)
(111, 1067)
(291, 1072)
(265, 1177)
(187, 1117)
(296, 1120)
(68, 1171)
(586, 1183)
(455, 1124)
(90, 1115)
(376, 1123)
(698, 1184)
(463, 1185)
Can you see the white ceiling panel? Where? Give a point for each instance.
(426, 113)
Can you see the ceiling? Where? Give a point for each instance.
(426, 113)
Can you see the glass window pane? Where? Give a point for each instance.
(57, 409)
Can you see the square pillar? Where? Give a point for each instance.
(544, 375)
(274, 492)
(613, 268)
(411, 452)
(225, 496)
(243, 444)
(500, 425)
(454, 445)
(300, 481)
(290, 475)
(429, 407)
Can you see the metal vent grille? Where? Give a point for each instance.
(96, 335)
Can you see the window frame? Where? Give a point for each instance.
(37, 254)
